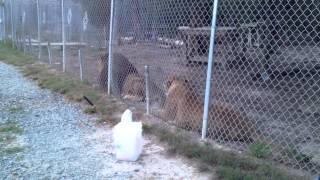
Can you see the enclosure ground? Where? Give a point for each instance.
(229, 165)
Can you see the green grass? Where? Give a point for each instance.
(8, 135)
(14, 56)
(10, 128)
(7, 138)
(264, 172)
(93, 96)
(230, 165)
(11, 151)
(90, 110)
(260, 150)
(295, 154)
(16, 109)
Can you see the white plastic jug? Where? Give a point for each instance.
(127, 138)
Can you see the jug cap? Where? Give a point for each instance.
(126, 116)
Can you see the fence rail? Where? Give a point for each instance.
(243, 73)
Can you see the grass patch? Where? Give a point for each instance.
(7, 138)
(296, 155)
(146, 128)
(14, 56)
(265, 172)
(15, 110)
(230, 166)
(10, 128)
(11, 151)
(93, 96)
(90, 110)
(57, 84)
(260, 150)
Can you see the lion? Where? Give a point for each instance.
(180, 99)
(121, 69)
(134, 88)
(185, 108)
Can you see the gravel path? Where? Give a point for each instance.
(60, 142)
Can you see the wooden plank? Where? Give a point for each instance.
(58, 44)
(205, 30)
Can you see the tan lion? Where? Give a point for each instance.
(134, 88)
(185, 108)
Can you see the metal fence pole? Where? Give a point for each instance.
(49, 53)
(1, 17)
(23, 32)
(81, 64)
(146, 68)
(209, 72)
(39, 29)
(110, 48)
(11, 17)
(30, 44)
(63, 38)
(4, 22)
(80, 54)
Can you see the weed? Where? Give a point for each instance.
(7, 138)
(204, 167)
(147, 128)
(57, 84)
(31, 70)
(264, 172)
(90, 110)
(14, 110)
(19, 158)
(10, 128)
(77, 98)
(230, 165)
(260, 150)
(295, 154)
(92, 95)
(11, 151)
(14, 56)
(229, 173)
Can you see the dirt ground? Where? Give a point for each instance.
(285, 110)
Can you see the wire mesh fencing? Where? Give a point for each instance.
(267, 87)
(265, 77)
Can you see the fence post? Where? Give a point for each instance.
(49, 53)
(146, 68)
(30, 44)
(110, 47)
(209, 72)
(81, 53)
(80, 63)
(39, 29)
(69, 22)
(11, 17)
(4, 23)
(23, 32)
(63, 38)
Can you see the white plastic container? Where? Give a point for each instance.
(127, 138)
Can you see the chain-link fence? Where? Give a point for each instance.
(265, 78)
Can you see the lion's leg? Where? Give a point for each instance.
(170, 109)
